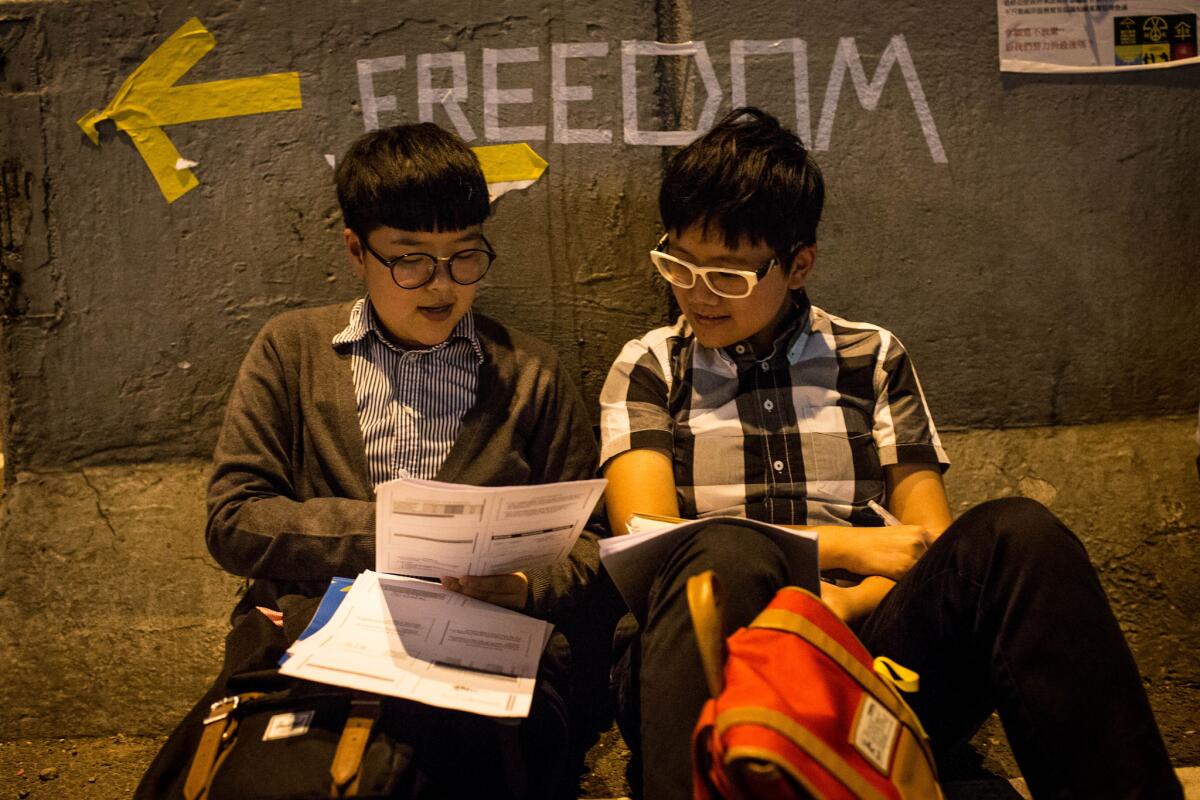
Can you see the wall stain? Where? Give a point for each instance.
(455, 37)
(15, 218)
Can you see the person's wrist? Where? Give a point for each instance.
(832, 552)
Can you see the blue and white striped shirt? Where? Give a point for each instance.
(410, 402)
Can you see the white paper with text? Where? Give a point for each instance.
(1091, 36)
(431, 529)
(413, 639)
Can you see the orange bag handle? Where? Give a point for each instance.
(706, 604)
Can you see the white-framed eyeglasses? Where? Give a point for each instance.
(721, 281)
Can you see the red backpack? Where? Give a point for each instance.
(800, 710)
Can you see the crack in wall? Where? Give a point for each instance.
(100, 509)
(159, 629)
(207, 562)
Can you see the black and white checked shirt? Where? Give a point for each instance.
(800, 436)
(410, 402)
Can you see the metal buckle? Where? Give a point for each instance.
(222, 709)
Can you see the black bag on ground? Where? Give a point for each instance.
(284, 739)
(274, 738)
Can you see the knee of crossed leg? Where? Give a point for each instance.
(1025, 529)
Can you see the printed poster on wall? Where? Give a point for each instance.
(1096, 35)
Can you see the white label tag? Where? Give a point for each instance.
(875, 733)
(285, 726)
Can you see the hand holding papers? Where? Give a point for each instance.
(633, 560)
(430, 529)
(409, 638)
(413, 639)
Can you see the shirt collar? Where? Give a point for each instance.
(787, 345)
(365, 322)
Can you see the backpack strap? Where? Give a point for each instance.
(802, 738)
(219, 728)
(347, 759)
(902, 678)
(881, 690)
(706, 604)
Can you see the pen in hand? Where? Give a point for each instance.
(888, 517)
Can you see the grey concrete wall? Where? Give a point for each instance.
(1030, 238)
(1043, 273)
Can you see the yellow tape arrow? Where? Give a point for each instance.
(509, 166)
(149, 100)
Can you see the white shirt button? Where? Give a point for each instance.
(768, 405)
(741, 348)
(778, 465)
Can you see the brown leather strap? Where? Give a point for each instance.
(204, 762)
(791, 622)
(347, 759)
(706, 606)
(800, 736)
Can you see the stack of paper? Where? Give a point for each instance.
(409, 638)
(431, 529)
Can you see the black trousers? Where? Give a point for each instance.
(1003, 612)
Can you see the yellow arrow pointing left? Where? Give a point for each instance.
(149, 99)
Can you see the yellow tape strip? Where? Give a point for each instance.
(503, 163)
(149, 100)
(231, 98)
(169, 62)
(160, 155)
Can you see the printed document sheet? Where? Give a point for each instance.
(409, 638)
(632, 560)
(430, 529)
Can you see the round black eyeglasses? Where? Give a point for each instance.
(414, 270)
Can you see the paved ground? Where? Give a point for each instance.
(75, 769)
(109, 768)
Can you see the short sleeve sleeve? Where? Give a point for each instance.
(634, 413)
(903, 429)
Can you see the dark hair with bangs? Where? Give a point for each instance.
(749, 178)
(411, 177)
